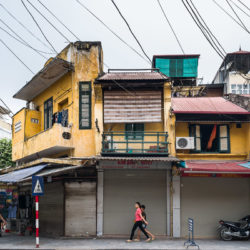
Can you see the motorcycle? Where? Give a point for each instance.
(230, 230)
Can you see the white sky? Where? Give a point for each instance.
(145, 19)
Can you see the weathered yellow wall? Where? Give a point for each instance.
(239, 144)
(30, 127)
(83, 141)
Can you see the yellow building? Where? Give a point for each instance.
(116, 125)
(212, 140)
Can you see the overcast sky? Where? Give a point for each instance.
(146, 20)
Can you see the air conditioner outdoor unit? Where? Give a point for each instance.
(184, 142)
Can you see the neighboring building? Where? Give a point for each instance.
(213, 141)
(234, 72)
(5, 127)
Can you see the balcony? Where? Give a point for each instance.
(135, 143)
(53, 141)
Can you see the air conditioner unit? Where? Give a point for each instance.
(184, 142)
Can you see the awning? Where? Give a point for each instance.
(17, 176)
(215, 167)
(51, 171)
(52, 72)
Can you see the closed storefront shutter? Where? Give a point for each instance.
(51, 211)
(80, 208)
(122, 188)
(140, 106)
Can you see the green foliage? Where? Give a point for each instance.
(5, 153)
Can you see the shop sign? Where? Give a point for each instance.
(224, 175)
(134, 164)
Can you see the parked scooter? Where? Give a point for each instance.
(230, 230)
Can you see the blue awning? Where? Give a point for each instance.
(18, 175)
(246, 165)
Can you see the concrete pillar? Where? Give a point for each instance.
(168, 193)
(99, 229)
(176, 207)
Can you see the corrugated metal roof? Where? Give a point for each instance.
(52, 72)
(167, 159)
(130, 76)
(53, 171)
(216, 167)
(206, 105)
(18, 175)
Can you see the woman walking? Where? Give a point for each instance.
(138, 223)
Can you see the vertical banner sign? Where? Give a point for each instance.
(37, 190)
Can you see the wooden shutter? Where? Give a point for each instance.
(224, 140)
(194, 131)
(85, 105)
(138, 107)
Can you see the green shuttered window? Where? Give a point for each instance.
(85, 105)
(48, 113)
(134, 131)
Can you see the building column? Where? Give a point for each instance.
(176, 207)
(99, 203)
(168, 193)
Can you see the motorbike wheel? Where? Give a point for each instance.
(224, 234)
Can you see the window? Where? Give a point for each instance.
(85, 105)
(210, 138)
(48, 113)
(18, 126)
(176, 68)
(134, 131)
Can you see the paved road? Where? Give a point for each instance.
(27, 242)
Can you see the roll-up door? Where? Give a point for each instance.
(51, 209)
(122, 188)
(140, 106)
(80, 208)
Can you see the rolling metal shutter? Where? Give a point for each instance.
(80, 208)
(123, 107)
(122, 188)
(51, 211)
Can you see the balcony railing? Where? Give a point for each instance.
(135, 143)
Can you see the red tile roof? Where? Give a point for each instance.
(215, 167)
(206, 105)
(132, 76)
(240, 52)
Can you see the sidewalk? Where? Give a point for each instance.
(27, 242)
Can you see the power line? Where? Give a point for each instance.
(207, 28)
(239, 8)
(107, 27)
(16, 55)
(38, 26)
(171, 27)
(23, 41)
(49, 22)
(237, 16)
(7, 107)
(205, 31)
(229, 15)
(202, 29)
(244, 4)
(31, 33)
(58, 20)
(133, 34)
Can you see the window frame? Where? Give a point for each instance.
(219, 138)
(89, 93)
(134, 136)
(46, 113)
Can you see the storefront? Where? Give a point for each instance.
(121, 182)
(213, 190)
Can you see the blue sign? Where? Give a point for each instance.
(37, 185)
